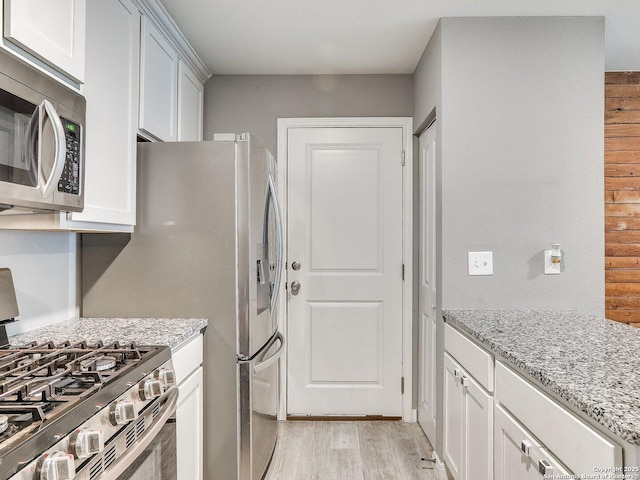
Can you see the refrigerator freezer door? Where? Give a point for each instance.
(258, 409)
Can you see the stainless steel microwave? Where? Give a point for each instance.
(41, 141)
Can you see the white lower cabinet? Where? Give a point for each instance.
(518, 455)
(468, 425)
(576, 444)
(189, 428)
(519, 432)
(187, 363)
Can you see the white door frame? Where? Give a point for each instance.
(406, 123)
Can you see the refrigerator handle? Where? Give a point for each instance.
(266, 363)
(279, 244)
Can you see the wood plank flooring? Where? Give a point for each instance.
(351, 450)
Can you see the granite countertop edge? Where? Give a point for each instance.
(617, 409)
(172, 332)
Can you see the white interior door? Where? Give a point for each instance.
(427, 289)
(345, 230)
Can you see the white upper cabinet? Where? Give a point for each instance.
(158, 85)
(111, 90)
(52, 30)
(190, 102)
(172, 78)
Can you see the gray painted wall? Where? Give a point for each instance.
(522, 160)
(519, 105)
(252, 103)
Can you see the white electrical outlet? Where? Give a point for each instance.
(550, 268)
(480, 263)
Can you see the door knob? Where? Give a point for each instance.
(295, 288)
(296, 265)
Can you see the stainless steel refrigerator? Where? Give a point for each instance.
(207, 244)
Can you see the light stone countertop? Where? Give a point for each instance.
(590, 362)
(141, 331)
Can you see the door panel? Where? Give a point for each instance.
(334, 358)
(345, 230)
(427, 292)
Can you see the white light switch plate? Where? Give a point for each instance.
(480, 263)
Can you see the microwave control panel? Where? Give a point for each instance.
(70, 180)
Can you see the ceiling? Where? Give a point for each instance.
(365, 36)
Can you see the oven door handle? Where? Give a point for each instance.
(130, 455)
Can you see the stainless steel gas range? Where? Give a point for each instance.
(78, 411)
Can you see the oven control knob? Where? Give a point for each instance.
(123, 412)
(151, 388)
(167, 376)
(86, 442)
(57, 466)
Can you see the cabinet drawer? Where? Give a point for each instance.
(187, 358)
(472, 358)
(576, 444)
(518, 455)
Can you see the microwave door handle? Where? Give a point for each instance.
(60, 147)
(279, 244)
(30, 146)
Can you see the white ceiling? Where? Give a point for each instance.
(364, 36)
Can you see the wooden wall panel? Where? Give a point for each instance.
(622, 196)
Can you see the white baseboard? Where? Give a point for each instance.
(438, 468)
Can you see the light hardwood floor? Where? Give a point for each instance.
(360, 450)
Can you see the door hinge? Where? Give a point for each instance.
(403, 272)
(403, 160)
(402, 385)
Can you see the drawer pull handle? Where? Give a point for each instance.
(545, 467)
(464, 381)
(456, 372)
(525, 447)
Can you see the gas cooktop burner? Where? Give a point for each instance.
(99, 364)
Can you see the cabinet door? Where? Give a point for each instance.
(53, 31)
(453, 432)
(189, 427)
(190, 99)
(478, 420)
(158, 85)
(111, 90)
